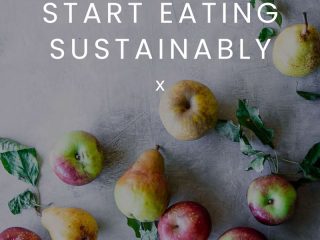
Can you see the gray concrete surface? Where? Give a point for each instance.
(116, 100)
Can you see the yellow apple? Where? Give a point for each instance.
(188, 110)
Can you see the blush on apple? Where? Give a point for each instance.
(271, 199)
(77, 158)
(242, 233)
(185, 221)
(18, 233)
(188, 110)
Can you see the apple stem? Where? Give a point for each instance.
(305, 30)
(158, 147)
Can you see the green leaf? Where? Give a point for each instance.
(279, 19)
(24, 200)
(267, 33)
(135, 225)
(271, 10)
(253, 3)
(229, 130)
(309, 95)
(249, 117)
(149, 231)
(23, 164)
(245, 146)
(257, 164)
(311, 164)
(143, 230)
(7, 145)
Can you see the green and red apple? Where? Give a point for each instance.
(271, 199)
(185, 221)
(242, 233)
(188, 110)
(77, 158)
(142, 192)
(18, 233)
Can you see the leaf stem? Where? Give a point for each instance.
(38, 206)
(288, 161)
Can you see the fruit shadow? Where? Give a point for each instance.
(186, 185)
(283, 7)
(307, 211)
(114, 165)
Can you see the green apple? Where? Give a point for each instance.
(77, 158)
(271, 199)
(188, 110)
(296, 51)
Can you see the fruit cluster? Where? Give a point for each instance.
(188, 110)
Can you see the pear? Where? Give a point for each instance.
(296, 51)
(142, 192)
(69, 224)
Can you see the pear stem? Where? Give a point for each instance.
(305, 30)
(158, 147)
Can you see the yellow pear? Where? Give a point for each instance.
(296, 51)
(69, 224)
(142, 192)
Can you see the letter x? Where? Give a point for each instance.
(160, 86)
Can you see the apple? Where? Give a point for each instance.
(188, 110)
(77, 158)
(185, 221)
(271, 199)
(242, 233)
(18, 233)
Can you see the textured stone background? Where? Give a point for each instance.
(115, 100)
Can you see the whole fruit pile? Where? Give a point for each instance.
(188, 111)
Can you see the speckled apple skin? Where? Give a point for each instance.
(185, 221)
(74, 171)
(297, 55)
(18, 233)
(188, 110)
(242, 233)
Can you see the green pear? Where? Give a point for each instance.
(296, 51)
(69, 224)
(142, 192)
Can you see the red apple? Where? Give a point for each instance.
(18, 233)
(185, 221)
(242, 233)
(77, 158)
(271, 199)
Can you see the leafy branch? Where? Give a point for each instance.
(249, 118)
(143, 230)
(21, 161)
